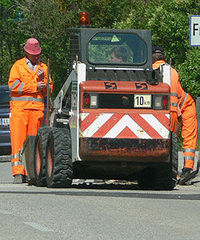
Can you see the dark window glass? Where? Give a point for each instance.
(117, 48)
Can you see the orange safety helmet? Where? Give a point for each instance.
(32, 46)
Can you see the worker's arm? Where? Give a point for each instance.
(44, 91)
(21, 82)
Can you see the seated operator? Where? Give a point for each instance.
(118, 55)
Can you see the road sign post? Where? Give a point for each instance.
(195, 30)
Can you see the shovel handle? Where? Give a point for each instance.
(48, 94)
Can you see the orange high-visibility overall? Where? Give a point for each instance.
(27, 107)
(186, 104)
(189, 130)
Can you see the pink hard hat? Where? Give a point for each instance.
(32, 46)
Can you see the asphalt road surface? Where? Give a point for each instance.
(97, 211)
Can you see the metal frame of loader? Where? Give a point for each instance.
(86, 142)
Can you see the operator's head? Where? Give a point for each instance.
(118, 55)
(157, 53)
(33, 50)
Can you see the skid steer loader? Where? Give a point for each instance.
(110, 120)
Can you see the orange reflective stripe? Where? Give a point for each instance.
(183, 101)
(32, 99)
(14, 85)
(20, 88)
(174, 94)
(189, 158)
(16, 163)
(15, 156)
(189, 154)
(188, 150)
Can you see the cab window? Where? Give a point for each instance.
(117, 48)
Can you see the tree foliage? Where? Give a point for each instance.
(169, 21)
(7, 9)
(189, 72)
(44, 21)
(49, 20)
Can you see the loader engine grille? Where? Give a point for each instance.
(120, 75)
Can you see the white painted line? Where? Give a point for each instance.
(38, 227)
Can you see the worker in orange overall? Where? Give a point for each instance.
(28, 87)
(182, 106)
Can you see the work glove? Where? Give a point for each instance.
(174, 118)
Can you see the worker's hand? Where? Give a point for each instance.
(179, 112)
(179, 124)
(40, 74)
(41, 86)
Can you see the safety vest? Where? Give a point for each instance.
(23, 86)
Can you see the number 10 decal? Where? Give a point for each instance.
(142, 101)
(139, 100)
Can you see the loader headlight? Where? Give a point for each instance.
(93, 101)
(161, 102)
(90, 100)
(158, 102)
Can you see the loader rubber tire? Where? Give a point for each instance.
(59, 172)
(40, 156)
(163, 176)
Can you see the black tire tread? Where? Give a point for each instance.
(62, 174)
(43, 134)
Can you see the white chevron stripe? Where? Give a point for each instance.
(99, 122)
(124, 122)
(167, 115)
(153, 121)
(83, 116)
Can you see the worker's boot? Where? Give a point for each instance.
(19, 178)
(186, 175)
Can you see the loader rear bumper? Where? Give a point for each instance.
(135, 150)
